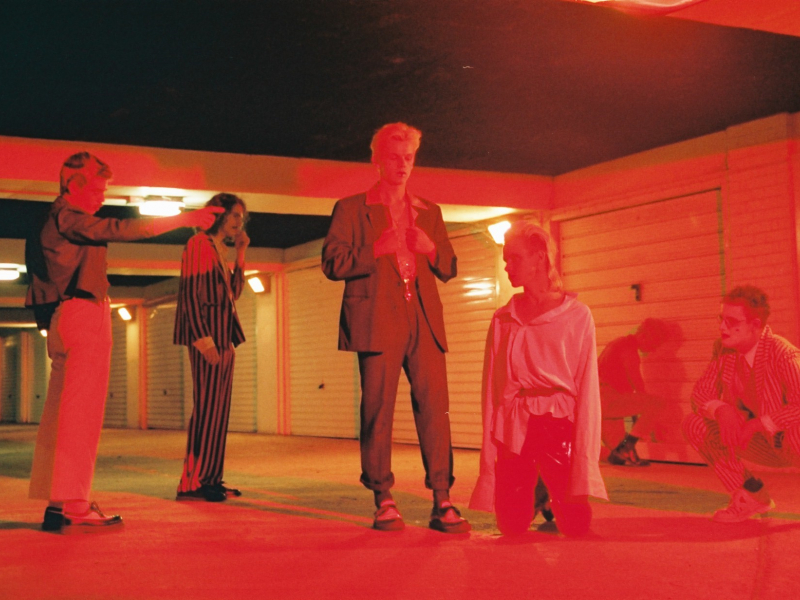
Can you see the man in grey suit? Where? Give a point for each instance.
(390, 247)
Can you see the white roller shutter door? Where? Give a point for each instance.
(9, 404)
(672, 251)
(243, 399)
(165, 371)
(324, 387)
(116, 400)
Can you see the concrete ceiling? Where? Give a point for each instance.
(539, 87)
(526, 86)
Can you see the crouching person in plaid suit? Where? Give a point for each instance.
(747, 404)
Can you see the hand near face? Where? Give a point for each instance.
(387, 243)
(418, 241)
(241, 241)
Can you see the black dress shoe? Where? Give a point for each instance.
(228, 491)
(627, 457)
(55, 519)
(207, 493)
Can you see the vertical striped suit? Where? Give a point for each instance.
(776, 386)
(206, 311)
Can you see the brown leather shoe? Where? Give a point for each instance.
(388, 518)
(447, 519)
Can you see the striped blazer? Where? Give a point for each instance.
(206, 296)
(777, 377)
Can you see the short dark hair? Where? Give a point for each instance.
(226, 201)
(80, 166)
(754, 301)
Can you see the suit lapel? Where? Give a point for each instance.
(378, 219)
(759, 372)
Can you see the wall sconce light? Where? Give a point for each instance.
(124, 313)
(498, 231)
(161, 206)
(10, 271)
(259, 283)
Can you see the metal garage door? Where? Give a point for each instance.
(324, 388)
(165, 371)
(671, 251)
(116, 412)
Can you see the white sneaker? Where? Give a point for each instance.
(743, 505)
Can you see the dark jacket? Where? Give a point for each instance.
(73, 245)
(374, 291)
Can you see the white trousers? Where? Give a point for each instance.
(79, 345)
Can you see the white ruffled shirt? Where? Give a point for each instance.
(554, 351)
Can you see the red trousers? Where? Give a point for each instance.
(547, 450)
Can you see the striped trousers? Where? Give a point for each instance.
(208, 427)
(763, 449)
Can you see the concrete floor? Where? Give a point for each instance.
(302, 530)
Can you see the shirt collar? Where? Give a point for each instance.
(569, 300)
(750, 355)
(374, 197)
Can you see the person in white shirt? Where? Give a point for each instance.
(541, 396)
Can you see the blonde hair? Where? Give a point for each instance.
(394, 131)
(537, 239)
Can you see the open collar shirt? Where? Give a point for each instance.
(545, 365)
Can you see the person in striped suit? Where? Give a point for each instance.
(207, 324)
(747, 404)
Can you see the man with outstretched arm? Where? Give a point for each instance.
(67, 266)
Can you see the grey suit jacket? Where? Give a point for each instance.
(374, 291)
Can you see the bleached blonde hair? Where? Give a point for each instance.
(394, 131)
(538, 240)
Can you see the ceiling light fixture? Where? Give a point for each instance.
(642, 6)
(259, 283)
(161, 206)
(498, 231)
(10, 271)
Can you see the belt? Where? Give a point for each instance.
(533, 392)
